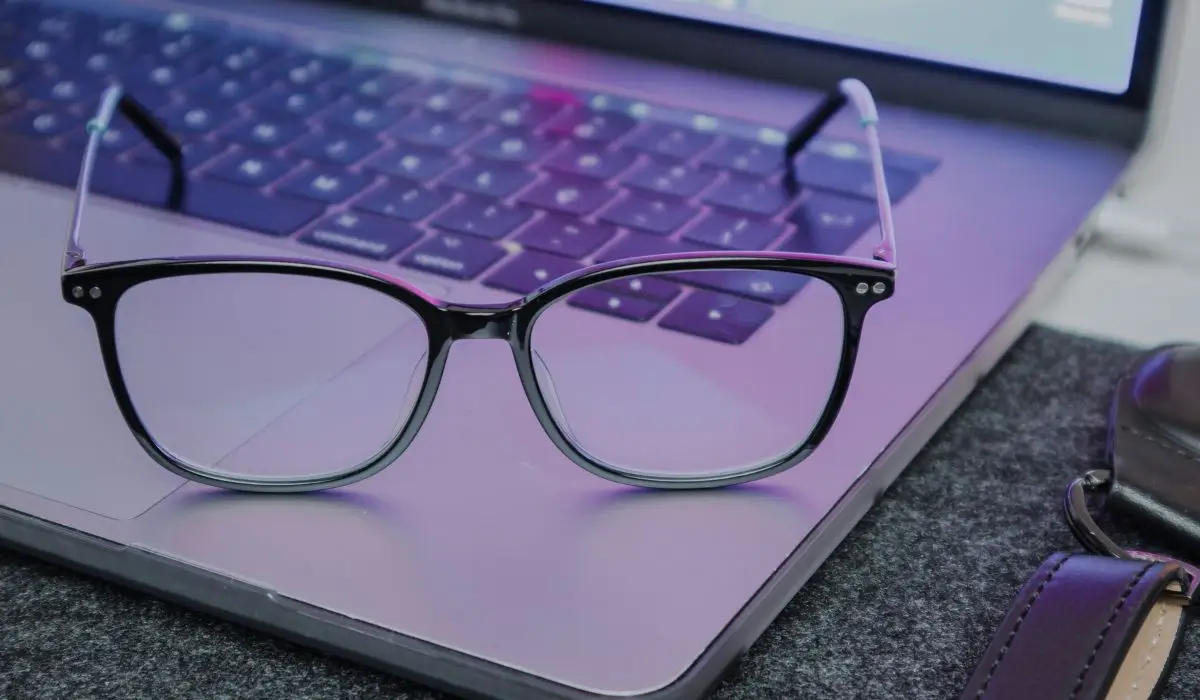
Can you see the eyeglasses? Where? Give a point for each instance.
(290, 375)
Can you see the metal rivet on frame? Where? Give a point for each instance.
(879, 288)
(77, 292)
(862, 288)
(94, 292)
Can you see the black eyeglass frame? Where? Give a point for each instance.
(98, 288)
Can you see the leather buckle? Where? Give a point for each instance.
(1094, 539)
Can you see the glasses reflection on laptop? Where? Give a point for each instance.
(228, 370)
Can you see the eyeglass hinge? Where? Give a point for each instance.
(73, 259)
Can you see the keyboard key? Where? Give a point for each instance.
(375, 85)
(591, 125)
(840, 148)
(425, 129)
(643, 287)
(747, 157)
(59, 25)
(120, 136)
(289, 103)
(152, 86)
(95, 67)
(324, 185)
(360, 118)
(671, 141)
(252, 169)
(122, 34)
(512, 146)
(565, 236)
(610, 304)
(829, 224)
(247, 208)
(481, 217)
(11, 74)
(195, 153)
(305, 71)
(222, 89)
(749, 195)
(242, 58)
(852, 177)
(35, 51)
(183, 24)
(718, 317)
(454, 256)
(761, 285)
(402, 200)
(568, 195)
(335, 148)
(675, 180)
(196, 118)
(367, 235)
(521, 111)
(412, 162)
(637, 245)
(652, 214)
(444, 98)
(64, 91)
(266, 134)
(732, 232)
(489, 179)
(529, 271)
(183, 49)
(43, 123)
(590, 160)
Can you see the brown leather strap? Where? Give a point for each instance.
(1086, 627)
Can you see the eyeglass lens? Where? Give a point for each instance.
(269, 376)
(663, 404)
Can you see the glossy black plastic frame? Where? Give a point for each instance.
(98, 288)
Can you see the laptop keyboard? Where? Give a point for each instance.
(461, 175)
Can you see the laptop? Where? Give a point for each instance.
(483, 561)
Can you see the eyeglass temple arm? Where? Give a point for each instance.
(854, 91)
(114, 101)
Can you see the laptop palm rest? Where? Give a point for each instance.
(491, 545)
(67, 415)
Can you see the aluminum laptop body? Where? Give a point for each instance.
(483, 561)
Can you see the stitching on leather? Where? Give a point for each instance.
(1141, 674)
(1017, 625)
(1162, 443)
(1112, 618)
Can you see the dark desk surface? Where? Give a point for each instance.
(902, 610)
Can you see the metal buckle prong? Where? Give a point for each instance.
(1089, 534)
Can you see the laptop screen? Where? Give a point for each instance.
(1085, 44)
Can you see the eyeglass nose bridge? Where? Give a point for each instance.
(482, 321)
